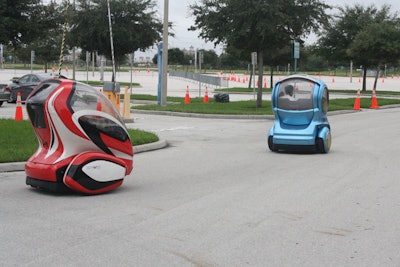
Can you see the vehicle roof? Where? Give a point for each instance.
(44, 75)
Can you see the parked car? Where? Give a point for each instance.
(25, 85)
(4, 94)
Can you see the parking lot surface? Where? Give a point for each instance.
(218, 197)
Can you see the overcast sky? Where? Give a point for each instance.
(179, 15)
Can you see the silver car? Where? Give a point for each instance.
(4, 94)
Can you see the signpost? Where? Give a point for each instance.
(201, 60)
(1, 56)
(163, 100)
(32, 59)
(254, 63)
(296, 54)
(160, 72)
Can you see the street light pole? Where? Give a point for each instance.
(165, 56)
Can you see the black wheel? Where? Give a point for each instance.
(1, 103)
(271, 145)
(324, 145)
(11, 100)
(319, 143)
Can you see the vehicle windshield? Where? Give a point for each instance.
(296, 94)
(88, 98)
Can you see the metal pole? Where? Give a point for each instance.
(73, 56)
(112, 45)
(165, 56)
(195, 60)
(351, 71)
(93, 59)
(32, 59)
(132, 56)
(200, 59)
(87, 66)
(102, 68)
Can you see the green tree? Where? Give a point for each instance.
(257, 26)
(376, 45)
(231, 62)
(47, 48)
(210, 59)
(22, 22)
(363, 34)
(176, 56)
(310, 59)
(134, 23)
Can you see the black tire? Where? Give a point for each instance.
(271, 145)
(319, 143)
(1, 103)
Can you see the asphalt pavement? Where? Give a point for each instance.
(216, 196)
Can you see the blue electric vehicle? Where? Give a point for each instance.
(300, 105)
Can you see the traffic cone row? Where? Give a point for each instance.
(18, 109)
(187, 96)
(374, 101)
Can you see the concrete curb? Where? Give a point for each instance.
(150, 147)
(206, 116)
(226, 116)
(20, 166)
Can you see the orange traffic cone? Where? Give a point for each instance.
(98, 105)
(187, 97)
(18, 109)
(357, 101)
(205, 100)
(374, 101)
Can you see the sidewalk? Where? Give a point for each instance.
(148, 81)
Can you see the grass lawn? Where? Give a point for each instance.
(248, 107)
(18, 141)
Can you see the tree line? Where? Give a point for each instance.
(367, 36)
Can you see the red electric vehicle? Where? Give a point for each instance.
(84, 145)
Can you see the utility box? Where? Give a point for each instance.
(113, 95)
